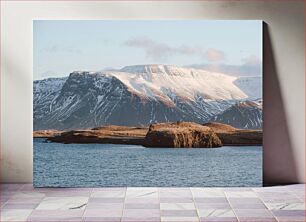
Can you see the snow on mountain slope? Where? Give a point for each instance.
(135, 95)
(44, 92)
(158, 80)
(250, 85)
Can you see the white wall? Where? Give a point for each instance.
(284, 99)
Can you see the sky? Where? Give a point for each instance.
(64, 46)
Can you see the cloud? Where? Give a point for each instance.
(152, 49)
(158, 50)
(214, 55)
(251, 66)
(58, 49)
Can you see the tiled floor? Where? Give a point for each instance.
(21, 202)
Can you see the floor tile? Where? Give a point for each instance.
(178, 213)
(20, 206)
(10, 186)
(216, 213)
(56, 214)
(285, 206)
(102, 206)
(55, 219)
(213, 206)
(210, 200)
(3, 200)
(68, 193)
(110, 194)
(103, 212)
(175, 189)
(101, 219)
(109, 189)
(207, 192)
(218, 219)
(256, 219)
(26, 195)
(248, 206)
(142, 213)
(2, 204)
(25, 200)
(14, 214)
(230, 194)
(62, 203)
(175, 192)
(136, 192)
(289, 213)
(140, 219)
(179, 219)
(278, 189)
(105, 200)
(291, 219)
(296, 186)
(245, 200)
(176, 200)
(143, 200)
(141, 206)
(300, 195)
(253, 213)
(177, 206)
(273, 197)
(27, 187)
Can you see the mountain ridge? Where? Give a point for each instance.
(144, 95)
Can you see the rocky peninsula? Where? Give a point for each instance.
(231, 136)
(171, 135)
(106, 134)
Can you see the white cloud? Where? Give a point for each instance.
(158, 50)
(214, 55)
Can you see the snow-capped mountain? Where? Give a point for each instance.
(44, 92)
(243, 115)
(135, 95)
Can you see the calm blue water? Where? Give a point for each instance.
(92, 165)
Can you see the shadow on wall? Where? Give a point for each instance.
(278, 160)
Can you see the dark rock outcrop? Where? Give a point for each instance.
(181, 135)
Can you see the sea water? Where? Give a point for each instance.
(95, 165)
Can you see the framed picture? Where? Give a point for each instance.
(147, 103)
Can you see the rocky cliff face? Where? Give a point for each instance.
(242, 115)
(181, 135)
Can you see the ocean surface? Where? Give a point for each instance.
(94, 165)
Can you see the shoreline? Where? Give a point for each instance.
(168, 135)
(130, 144)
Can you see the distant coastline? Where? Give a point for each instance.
(175, 134)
